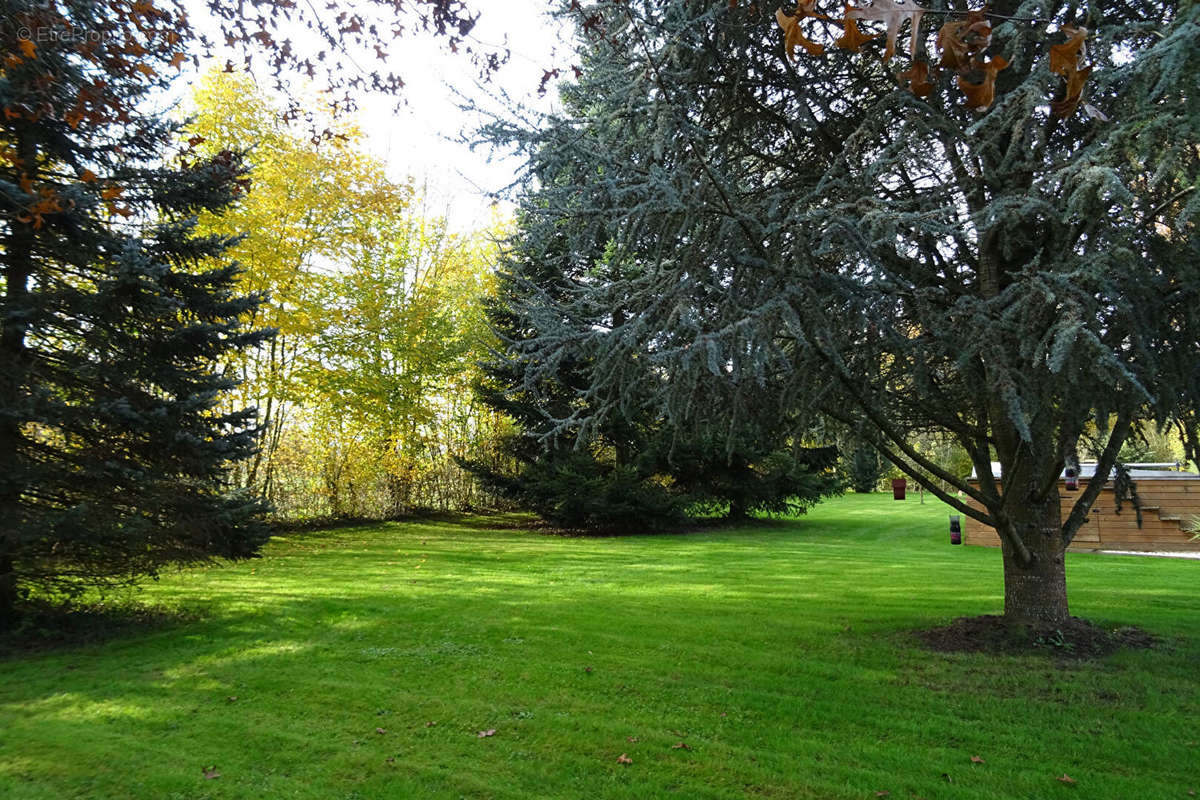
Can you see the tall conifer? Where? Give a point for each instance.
(990, 233)
(114, 319)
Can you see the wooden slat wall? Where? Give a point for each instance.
(1108, 530)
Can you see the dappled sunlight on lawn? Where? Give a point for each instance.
(781, 653)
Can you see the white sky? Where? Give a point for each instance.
(416, 140)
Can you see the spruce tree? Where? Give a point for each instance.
(114, 317)
(864, 469)
(997, 244)
(577, 477)
(632, 469)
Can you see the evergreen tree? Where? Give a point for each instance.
(571, 476)
(1008, 257)
(865, 469)
(633, 467)
(746, 473)
(113, 320)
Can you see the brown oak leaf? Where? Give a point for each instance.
(960, 42)
(892, 13)
(1065, 57)
(980, 95)
(1065, 778)
(1066, 60)
(624, 759)
(977, 760)
(852, 38)
(793, 37)
(917, 78)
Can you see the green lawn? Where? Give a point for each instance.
(781, 655)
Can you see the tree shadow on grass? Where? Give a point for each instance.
(1074, 639)
(336, 668)
(49, 625)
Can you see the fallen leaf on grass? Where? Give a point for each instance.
(232, 698)
(430, 724)
(588, 670)
(380, 731)
(487, 733)
(624, 759)
(391, 759)
(977, 760)
(883, 793)
(1065, 778)
(681, 746)
(631, 739)
(210, 773)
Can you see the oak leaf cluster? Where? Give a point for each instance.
(961, 46)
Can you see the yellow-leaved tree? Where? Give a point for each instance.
(398, 357)
(363, 393)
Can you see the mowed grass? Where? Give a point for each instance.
(363, 662)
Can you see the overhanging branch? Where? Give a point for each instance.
(1108, 458)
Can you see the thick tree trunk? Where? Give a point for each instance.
(1035, 593)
